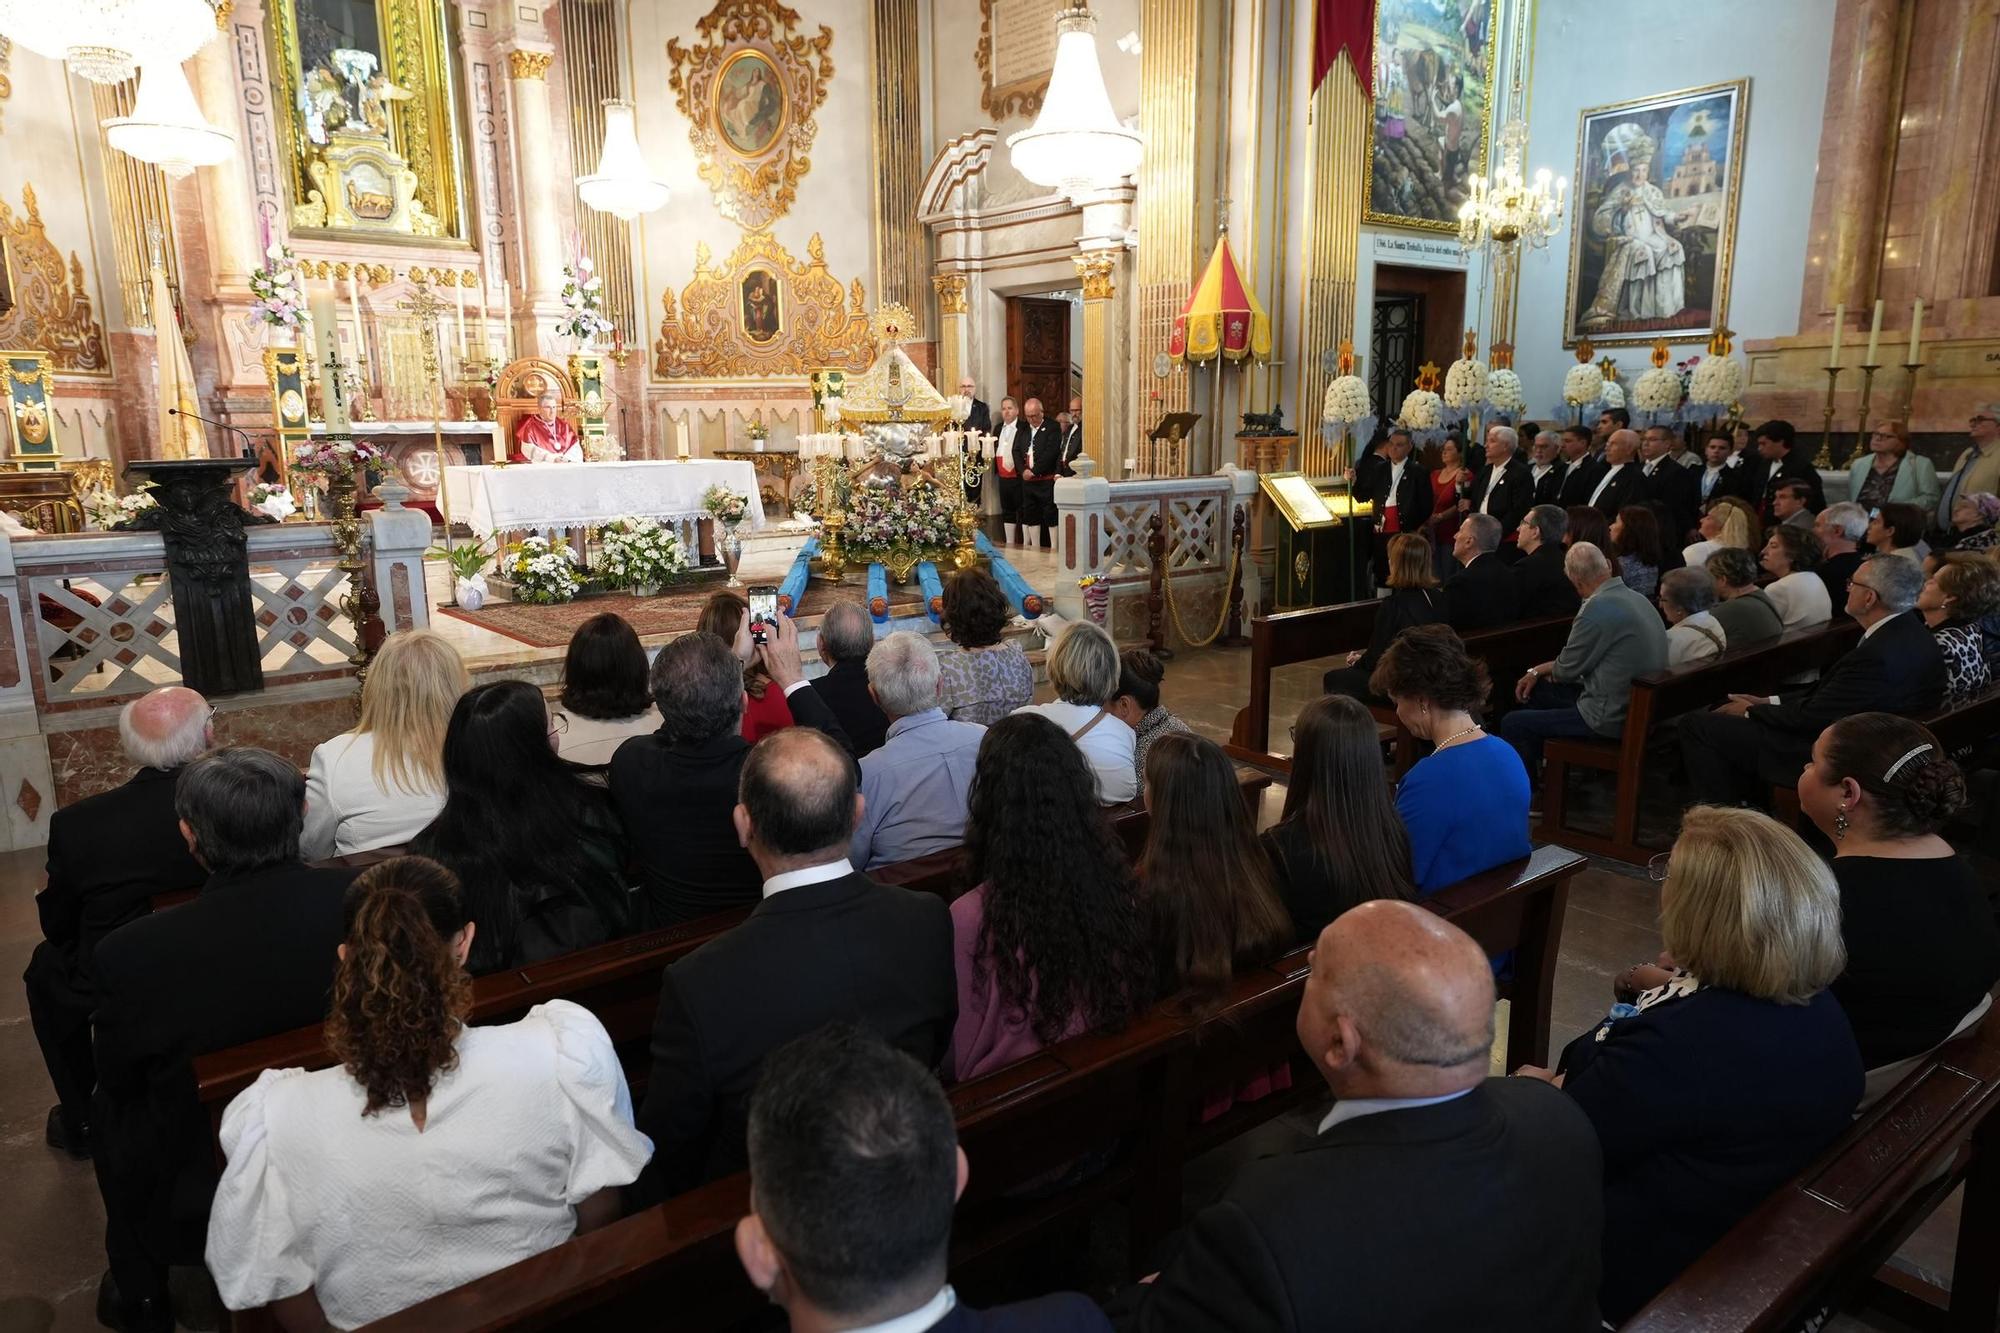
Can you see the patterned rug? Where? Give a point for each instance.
(669, 613)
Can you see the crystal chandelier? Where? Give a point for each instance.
(622, 184)
(104, 40)
(1511, 212)
(1076, 144)
(166, 126)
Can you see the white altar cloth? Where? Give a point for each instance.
(490, 499)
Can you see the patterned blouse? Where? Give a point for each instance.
(983, 685)
(1966, 669)
(1152, 726)
(1639, 576)
(1875, 487)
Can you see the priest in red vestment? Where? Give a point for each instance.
(546, 437)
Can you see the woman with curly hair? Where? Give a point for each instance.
(434, 1153)
(1960, 602)
(1048, 941)
(727, 616)
(987, 677)
(1792, 556)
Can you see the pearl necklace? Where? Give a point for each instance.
(1458, 735)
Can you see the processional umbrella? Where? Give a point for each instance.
(1220, 320)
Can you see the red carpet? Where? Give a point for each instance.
(672, 612)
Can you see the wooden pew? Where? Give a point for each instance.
(1820, 1240)
(1142, 1088)
(1960, 729)
(1757, 669)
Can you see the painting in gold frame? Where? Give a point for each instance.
(1433, 110)
(749, 108)
(390, 89)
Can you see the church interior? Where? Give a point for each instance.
(329, 323)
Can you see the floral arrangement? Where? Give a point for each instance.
(542, 575)
(1464, 384)
(583, 299)
(882, 518)
(273, 501)
(1613, 393)
(330, 459)
(725, 506)
(1717, 380)
(1422, 410)
(1584, 385)
(1346, 400)
(281, 297)
(1658, 391)
(637, 552)
(758, 431)
(107, 509)
(1503, 392)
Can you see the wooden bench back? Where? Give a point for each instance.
(1290, 637)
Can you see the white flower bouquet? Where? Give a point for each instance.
(1717, 380)
(1346, 400)
(1464, 384)
(637, 552)
(1614, 394)
(542, 575)
(1584, 385)
(1503, 392)
(725, 506)
(583, 300)
(273, 501)
(106, 509)
(1422, 410)
(1658, 390)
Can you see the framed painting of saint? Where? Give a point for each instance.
(1653, 232)
(749, 103)
(1433, 108)
(763, 320)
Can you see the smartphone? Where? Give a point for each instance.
(763, 609)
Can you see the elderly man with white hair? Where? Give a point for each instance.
(108, 855)
(1505, 487)
(1840, 528)
(1616, 635)
(914, 787)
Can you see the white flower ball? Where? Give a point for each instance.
(1346, 399)
(1614, 394)
(1717, 379)
(1465, 383)
(1422, 410)
(1658, 390)
(1503, 390)
(1584, 384)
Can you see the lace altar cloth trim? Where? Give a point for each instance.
(520, 496)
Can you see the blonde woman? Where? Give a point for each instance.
(1728, 521)
(1890, 474)
(381, 783)
(1726, 1080)
(1084, 671)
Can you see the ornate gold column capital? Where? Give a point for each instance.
(526, 64)
(950, 293)
(1096, 268)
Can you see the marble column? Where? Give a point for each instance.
(1864, 87)
(228, 224)
(1098, 270)
(1957, 257)
(952, 357)
(541, 228)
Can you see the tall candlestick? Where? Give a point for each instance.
(458, 290)
(354, 304)
(1916, 330)
(1874, 335)
(1839, 330)
(507, 316)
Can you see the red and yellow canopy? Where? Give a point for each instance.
(1221, 316)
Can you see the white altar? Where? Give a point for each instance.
(568, 496)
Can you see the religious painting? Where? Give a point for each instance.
(761, 321)
(1433, 107)
(749, 103)
(1653, 225)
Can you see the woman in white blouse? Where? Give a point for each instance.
(1727, 522)
(605, 696)
(435, 1153)
(1790, 556)
(1083, 668)
(381, 783)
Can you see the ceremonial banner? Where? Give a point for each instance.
(31, 409)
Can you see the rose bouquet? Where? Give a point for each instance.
(882, 518)
(542, 575)
(281, 298)
(1346, 407)
(1464, 385)
(1422, 410)
(637, 552)
(1716, 382)
(725, 506)
(1503, 392)
(1657, 397)
(1614, 393)
(1584, 385)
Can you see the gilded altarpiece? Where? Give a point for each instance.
(52, 312)
(760, 313)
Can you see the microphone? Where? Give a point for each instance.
(249, 441)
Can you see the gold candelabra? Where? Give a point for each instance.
(471, 379)
(1861, 426)
(1910, 369)
(1825, 459)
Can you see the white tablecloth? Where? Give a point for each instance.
(574, 495)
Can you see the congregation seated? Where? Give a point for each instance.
(726, 615)
(1414, 599)
(1084, 671)
(379, 784)
(604, 700)
(1975, 523)
(1338, 840)
(1791, 505)
(1724, 1082)
(1728, 520)
(1464, 806)
(434, 1153)
(1840, 529)
(1744, 747)
(854, 1171)
(1583, 692)
(1791, 556)
(251, 955)
(1635, 546)
(982, 677)
(1898, 530)
(1582, 523)
(1349, 1230)
(914, 787)
(1137, 703)
(1483, 594)
(1888, 473)
(109, 854)
(846, 636)
(1048, 941)
(1959, 602)
(825, 943)
(1922, 947)
(1687, 599)
(1541, 589)
(1745, 611)
(540, 851)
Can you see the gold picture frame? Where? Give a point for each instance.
(726, 86)
(1423, 195)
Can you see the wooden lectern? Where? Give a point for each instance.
(1167, 445)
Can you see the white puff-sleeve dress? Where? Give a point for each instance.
(375, 1215)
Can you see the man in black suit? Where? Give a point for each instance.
(1716, 478)
(251, 956)
(846, 636)
(675, 789)
(1752, 743)
(1621, 482)
(1399, 486)
(108, 855)
(1546, 466)
(1481, 595)
(1043, 444)
(1350, 1231)
(854, 1167)
(1010, 459)
(1609, 420)
(1581, 469)
(825, 944)
(1781, 460)
(1670, 488)
(1542, 589)
(1072, 436)
(1840, 529)
(1504, 488)
(981, 416)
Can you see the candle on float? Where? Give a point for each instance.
(1916, 331)
(458, 292)
(1874, 335)
(327, 353)
(354, 304)
(1839, 330)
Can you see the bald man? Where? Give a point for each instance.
(1432, 1197)
(108, 855)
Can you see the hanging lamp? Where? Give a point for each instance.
(622, 184)
(105, 40)
(1077, 143)
(166, 127)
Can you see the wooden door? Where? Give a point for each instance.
(1037, 353)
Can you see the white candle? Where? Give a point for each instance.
(1916, 331)
(458, 292)
(327, 353)
(681, 438)
(485, 329)
(354, 303)
(1874, 335)
(1839, 328)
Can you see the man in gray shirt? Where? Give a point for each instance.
(1616, 635)
(913, 788)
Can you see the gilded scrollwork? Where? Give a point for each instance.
(1022, 97)
(819, 324)
(52, 311)
(749, 94)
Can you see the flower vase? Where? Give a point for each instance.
(732, 553)
(645, 589)
(1097, 601)
(470, 592)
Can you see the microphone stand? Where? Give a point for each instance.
(249, 440)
